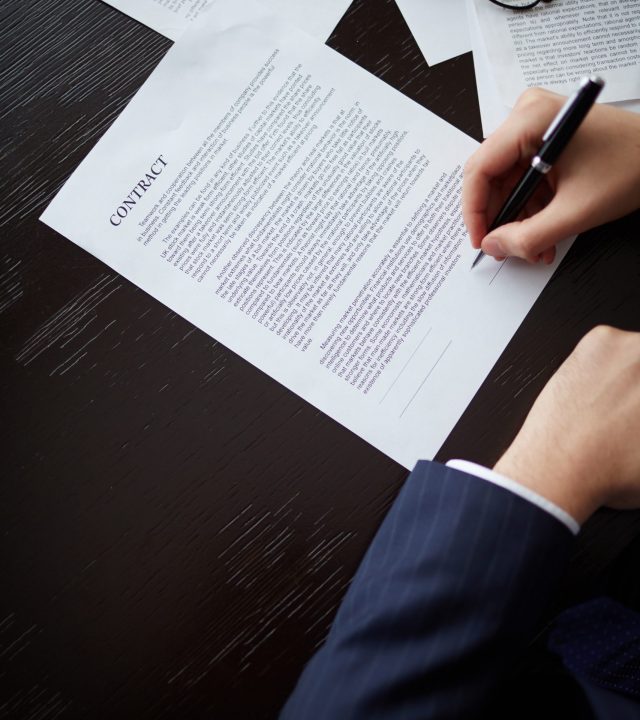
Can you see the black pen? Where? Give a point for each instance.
(554, 141)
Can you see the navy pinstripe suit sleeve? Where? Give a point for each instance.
(451, 588)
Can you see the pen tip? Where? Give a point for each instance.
(478, 257)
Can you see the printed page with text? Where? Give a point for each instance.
(556, 44)
(306, 215)
(172, 17)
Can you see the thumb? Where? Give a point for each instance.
(529, 238)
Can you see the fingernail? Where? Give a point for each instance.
(491, 246)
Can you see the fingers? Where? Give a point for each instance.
(511, 147)
(533, 238)
(606, 146)
(485, 166)
(548, 256)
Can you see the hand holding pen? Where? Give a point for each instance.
(596, 178)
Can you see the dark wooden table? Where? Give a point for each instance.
(176, 528)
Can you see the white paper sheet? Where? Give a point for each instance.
(438, 26)
(555, 44)
(306, 215)
(493, 111)
(172, 17)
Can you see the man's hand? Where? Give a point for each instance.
(595, 180)
(580, 444)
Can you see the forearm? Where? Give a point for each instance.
(451, 588)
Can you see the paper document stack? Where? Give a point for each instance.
(553, 46)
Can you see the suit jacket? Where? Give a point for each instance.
(450, 591)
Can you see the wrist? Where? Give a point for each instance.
(555, 479)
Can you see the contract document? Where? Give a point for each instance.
(306, 215)
(555, 44)
(438, 26)
(171, 17)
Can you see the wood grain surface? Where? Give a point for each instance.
(176, 528)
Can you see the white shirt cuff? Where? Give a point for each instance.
(524, 492)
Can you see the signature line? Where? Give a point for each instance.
(405, 365)
(502, 264)
(425, 380)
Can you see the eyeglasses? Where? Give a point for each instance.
(518, 4)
